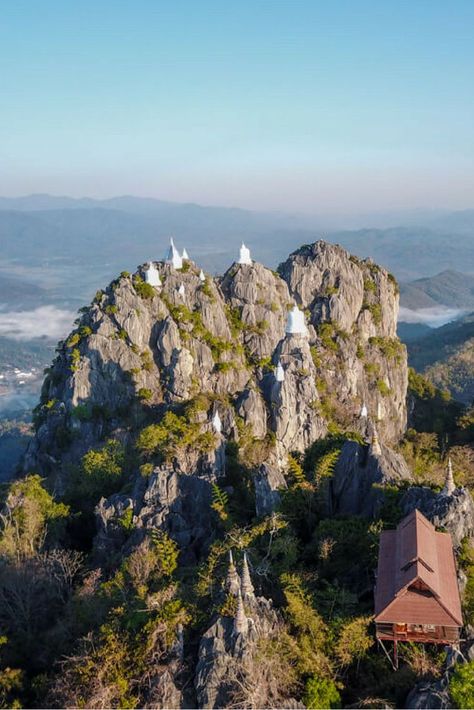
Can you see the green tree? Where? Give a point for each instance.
(321, 693)
(461, 685)
(30, 517)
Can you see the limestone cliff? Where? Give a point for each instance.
(141, 350)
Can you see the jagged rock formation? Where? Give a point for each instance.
(142, 350)
(454, 512)
(353, 309)
(360, 475)
(225, 670)
(435, 694)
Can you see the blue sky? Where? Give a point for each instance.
(301, 105)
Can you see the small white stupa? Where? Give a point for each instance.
(279, 372)
(216, 422)
(185, 255)
(379, 411)
(363, 411)
(182, 291)
(244, 255)
(151, 275)
(202, 276)
(173, 257)
(375, 449)
(295, 324)
(449, 485)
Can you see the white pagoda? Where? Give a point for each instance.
(174, 257)
(202, 277)
(279, 372)
(375, 449)
(449, 485)
(152, 275)
(363, 411)
(185, 255)
(295, 324)
(181, 291)
(244, 255)
(216, 423)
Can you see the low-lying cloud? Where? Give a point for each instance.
(45, 321)
(435, 316)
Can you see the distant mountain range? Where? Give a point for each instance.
(67, 245)
(448, 288)
(446, 356)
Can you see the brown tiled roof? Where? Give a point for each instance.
(416, 576)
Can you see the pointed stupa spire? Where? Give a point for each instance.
(151, 274)
(449, 485)
(244, 255)
(363, 411)
(216, 422)
(295, 324)
(375, 443)
(279, 372)
(241, 623)
(247, 586)
(174, 257)
(202, 276)
(182, 290)
(233, 578)
(185, 255)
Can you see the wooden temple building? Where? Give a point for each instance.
(416, 593)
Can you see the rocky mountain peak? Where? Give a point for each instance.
(140, 351)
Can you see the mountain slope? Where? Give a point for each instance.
(448, 288)
(446, 356)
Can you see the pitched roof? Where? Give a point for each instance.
(416, 576)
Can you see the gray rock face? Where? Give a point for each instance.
(359, 477)
(295, 403)
(261, 299)
(454, 513)
(186, 337)
(353, 306)
(268, 480)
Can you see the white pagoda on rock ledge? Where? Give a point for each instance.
(185, 255)
(174, 257)
(244, 255)
(295, 324)
(152, 275)
(279, 372)
(216, 423)
(449, 485)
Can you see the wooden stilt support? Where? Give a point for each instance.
(395, 654)
(395, 667)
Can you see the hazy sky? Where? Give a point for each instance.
(316, 106)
